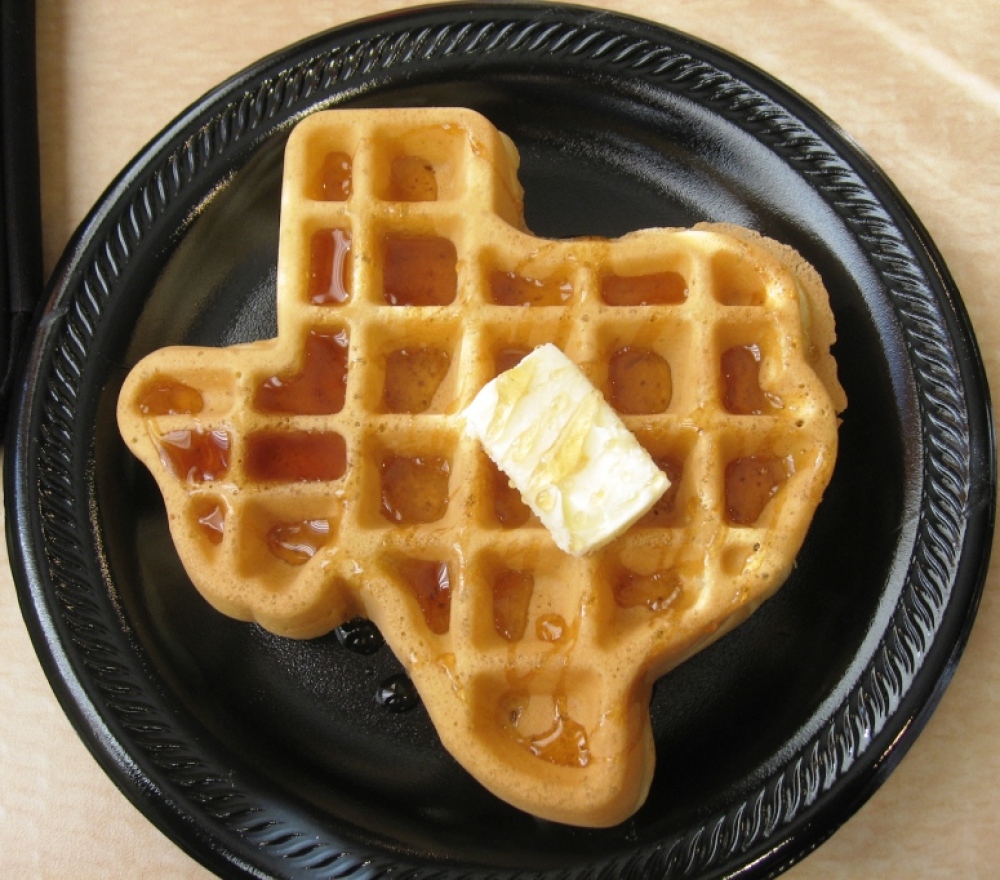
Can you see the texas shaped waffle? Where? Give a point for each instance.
(325, 474)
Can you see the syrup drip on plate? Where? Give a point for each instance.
(359, 635)
(397, 694)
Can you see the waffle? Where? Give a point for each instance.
(325, 474)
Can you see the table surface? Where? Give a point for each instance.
(917, 85)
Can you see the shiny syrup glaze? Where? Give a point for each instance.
(751, 482)
(639, 381)
(397, 693)
(167, 397)
(414, 489)
(511, 600)
(507, 358)
(510, 511)
(658, 288)
(412, 179)
(330, 267)
(658, 591)
(419, 270)
(319, 386)
(564, 743)
(209, 515)
(292, 457)
(412, 378)
(297, 542)
(741, 391)
(430, 582)
(666, 513)
(333, 182)
(360, 636)
(511, 289)
(550, 627)
(196, 455)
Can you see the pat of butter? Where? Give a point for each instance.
(565, 450)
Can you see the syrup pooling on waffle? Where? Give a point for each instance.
(326, 474)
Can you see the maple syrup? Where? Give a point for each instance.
(507, 358)
(397, 693)
(419, 270)
(412, 378)
(640, 381)
(167, 397)
(412, 179)
(330, 267)
(654, 289)
(550, 628)
(509, 509)
(511, 289)
(333, 182)
(359, 635)
(196, 455)
(658, 591)
(665, 513)
(430, 582)
(297, 542)
(751, 482)
(318, 388)
(210, 517)
(742, 394)
(511, 600)
(414, 489)
(293, 457)
(564, 743)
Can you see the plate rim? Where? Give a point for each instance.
(41, 607)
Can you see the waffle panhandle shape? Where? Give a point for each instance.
(325, 474)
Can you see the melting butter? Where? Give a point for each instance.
(566, 450)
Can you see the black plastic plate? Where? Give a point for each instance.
(262, 756)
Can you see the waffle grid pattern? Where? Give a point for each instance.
(584, 658)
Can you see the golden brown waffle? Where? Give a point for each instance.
(325, 474)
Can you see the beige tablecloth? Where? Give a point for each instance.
(917, 84)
